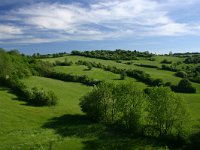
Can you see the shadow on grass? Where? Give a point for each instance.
(74, 125)
(96, 136)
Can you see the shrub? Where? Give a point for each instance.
(157, 82)
(185, 86)
(165, 61)
(181, 74)
(41, 98)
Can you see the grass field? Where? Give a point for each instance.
(166, 76)
(61, 127)
(96, 73)
(64, 126)
(22, 125)
(193, 100)
(155, 73)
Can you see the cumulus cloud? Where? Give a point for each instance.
(49, 22)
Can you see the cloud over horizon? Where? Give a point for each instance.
(47, 21)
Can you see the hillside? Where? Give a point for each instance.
(65, 126)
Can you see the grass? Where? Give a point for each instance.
(21, 125)
(96, 73)
(193, 100)
(155, 73)
(61, 127)
(65, 126)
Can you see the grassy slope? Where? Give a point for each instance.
(155, 73)
(193, 100)
(21, 125)
(96, 73)
(27, 127)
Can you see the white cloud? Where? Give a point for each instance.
(9, 31)
(101, 20)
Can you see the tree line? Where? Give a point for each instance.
(118, 54)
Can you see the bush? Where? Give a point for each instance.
(41, 98)
(185, 86)
(157, 82)
(33, 96)
(181, 74)
(165, 61)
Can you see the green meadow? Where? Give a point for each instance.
(65, 126)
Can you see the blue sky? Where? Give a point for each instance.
(48, 26)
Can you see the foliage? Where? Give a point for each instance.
(41, 98)
(133, 73)
(169, 68)
(33, 96)
(166, 112)
(89, 66)
(195, 59)
(158, 82)
(55, 55)
(65, 63)
(13, 65)
(39, 67)
(72, 78)
(157, 112)
(147, 66)
(181, 74)
(165, 61)
(122, 105)
(118, 54)
(185, 86)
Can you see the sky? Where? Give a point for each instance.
(49, 26)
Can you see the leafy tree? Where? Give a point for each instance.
(166, 112)
(121, 104)
(185, 86)
(95, 103)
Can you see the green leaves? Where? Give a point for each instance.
(155, 112)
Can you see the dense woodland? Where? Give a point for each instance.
(156, 111)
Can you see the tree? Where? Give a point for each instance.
(95, 103)
(185, 86)
(121, 104)
(166, 112)
(5, 64)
